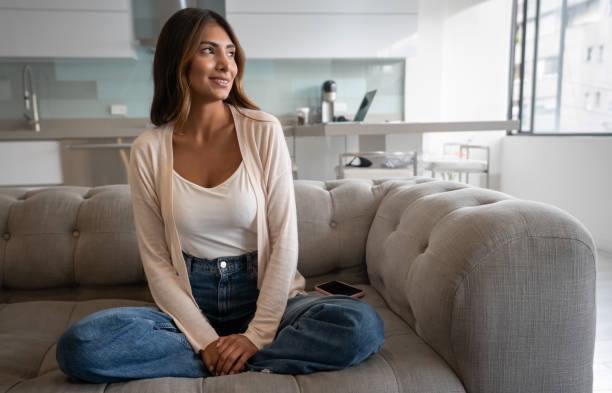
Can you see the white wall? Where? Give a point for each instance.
(460, 70)
(459, 73)
(573, 173)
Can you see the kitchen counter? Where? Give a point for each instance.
(389, 136)
(350, 128)
(59, 129)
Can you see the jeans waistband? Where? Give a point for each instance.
(230, 264)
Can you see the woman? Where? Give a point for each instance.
(214, 179)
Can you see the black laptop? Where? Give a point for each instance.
(365, 106)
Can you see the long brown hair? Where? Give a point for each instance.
(177, 44)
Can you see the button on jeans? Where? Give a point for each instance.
(316, 333)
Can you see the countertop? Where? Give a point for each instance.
(350, 128)
(59, 129)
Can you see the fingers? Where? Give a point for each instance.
(210, 357)
(233, 352)
(230, 351)
(228, 360)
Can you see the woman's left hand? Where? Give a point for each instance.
(233, 351)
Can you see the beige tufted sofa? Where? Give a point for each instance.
(479, 292)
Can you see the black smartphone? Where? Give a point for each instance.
(339, 288)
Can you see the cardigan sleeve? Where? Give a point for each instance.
(167, 287)
(281, 221)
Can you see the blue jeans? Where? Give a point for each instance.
(316, 333)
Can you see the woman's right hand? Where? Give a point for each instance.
(227, 355)
(210, 356)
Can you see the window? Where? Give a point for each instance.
(560, 81)
(589, 53)
(550, 66)
(587, 101)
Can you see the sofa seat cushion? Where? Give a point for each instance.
(29, 331)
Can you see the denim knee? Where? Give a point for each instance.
(362, 328)
(371, 329)
(126, 343)
(70, 353)
(81, 349)
(368, 333)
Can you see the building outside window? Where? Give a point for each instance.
(560, 71)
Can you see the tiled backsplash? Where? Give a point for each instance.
(86, 88)
(79, 88)
(282, 85)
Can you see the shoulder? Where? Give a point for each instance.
(150, 147)
(152, 138)
(255, 117)
(258, 127)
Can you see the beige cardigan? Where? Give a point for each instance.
(268, 165)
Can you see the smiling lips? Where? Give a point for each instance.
(221, 81)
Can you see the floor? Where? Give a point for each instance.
(602, 379)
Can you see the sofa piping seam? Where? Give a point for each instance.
(393, 369)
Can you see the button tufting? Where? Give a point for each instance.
(333, 224)
(6, 236)
(76, 233)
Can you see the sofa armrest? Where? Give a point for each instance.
(503, 289)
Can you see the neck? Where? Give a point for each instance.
(204, 120)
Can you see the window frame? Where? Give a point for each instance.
(521, 43)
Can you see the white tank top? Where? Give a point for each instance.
(218, 221)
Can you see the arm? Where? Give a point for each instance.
(281, 216)
(167, 287)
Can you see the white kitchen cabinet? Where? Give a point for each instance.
(66, 28)
(322, 28)
(321, 6)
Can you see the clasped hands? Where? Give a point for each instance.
(228, 354)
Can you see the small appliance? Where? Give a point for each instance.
(328, 96)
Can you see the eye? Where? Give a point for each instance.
(231, 53)
(207, 50)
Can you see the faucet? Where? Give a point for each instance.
(30, 99)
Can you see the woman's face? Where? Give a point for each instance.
(213, 67)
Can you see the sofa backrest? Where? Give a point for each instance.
(334, 219)
(81, 242)
(68, 237)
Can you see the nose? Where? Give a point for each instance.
(222, 61)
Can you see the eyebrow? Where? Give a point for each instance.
(215, 44)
